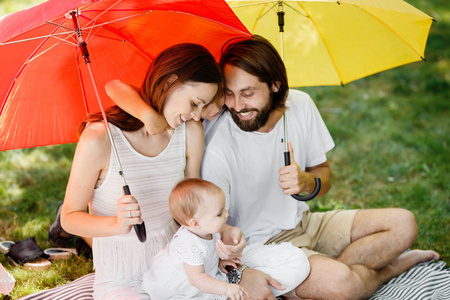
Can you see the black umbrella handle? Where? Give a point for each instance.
(287, 161)
(139, 228)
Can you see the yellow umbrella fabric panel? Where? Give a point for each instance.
(335, 42)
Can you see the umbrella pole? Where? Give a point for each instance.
(139, 228)
(287, 158)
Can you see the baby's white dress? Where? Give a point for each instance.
(167, 278)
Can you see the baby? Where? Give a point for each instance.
(189, 267)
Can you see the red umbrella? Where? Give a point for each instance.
(46, 91)
(45, 88)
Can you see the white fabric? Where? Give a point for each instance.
(167, 278)
(285, 263)
(209, 127)
(245, 166)
(427, 280)
(7, 282)
(120, 261)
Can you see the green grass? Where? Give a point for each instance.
(392, 143)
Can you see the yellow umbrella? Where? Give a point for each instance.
(334, 42)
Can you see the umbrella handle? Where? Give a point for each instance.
(287, 161)
(139, 228)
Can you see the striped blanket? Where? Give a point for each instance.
(425, 281)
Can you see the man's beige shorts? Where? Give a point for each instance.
(326, 233)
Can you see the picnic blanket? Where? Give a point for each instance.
(424, 281)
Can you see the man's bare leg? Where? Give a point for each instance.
(331, 279)
(376, 254)
(379, 236)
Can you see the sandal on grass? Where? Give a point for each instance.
(26, 253)
(60, 253)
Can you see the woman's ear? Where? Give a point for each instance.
(171, 80)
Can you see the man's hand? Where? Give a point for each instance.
(232, 244)
(256, 284)
(293, 180)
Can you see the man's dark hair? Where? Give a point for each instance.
(258, 57)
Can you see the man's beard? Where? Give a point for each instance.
(257, 122)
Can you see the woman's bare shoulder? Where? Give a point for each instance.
(95, 135)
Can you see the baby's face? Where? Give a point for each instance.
(211, 111)
(213, 214)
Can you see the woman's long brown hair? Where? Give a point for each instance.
(189, 62)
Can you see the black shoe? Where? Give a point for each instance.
(83, 248)
(55, 230)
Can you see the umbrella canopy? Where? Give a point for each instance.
(328, 42)
(46, 90)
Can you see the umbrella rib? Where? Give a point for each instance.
(21, 70)
(391, 30)
(261, 14)
(324, 42)
(90, 35)
(110, 22)
(118, 33)
(294, 9)
(251, 4)
(35, 38)
(102, 13)
(59, 25)
(50, 48)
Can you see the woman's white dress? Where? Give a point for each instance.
(121, 260)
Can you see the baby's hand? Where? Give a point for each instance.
(235, 292)
(156, 123)
(223, 264)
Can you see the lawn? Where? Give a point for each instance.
(392, 140)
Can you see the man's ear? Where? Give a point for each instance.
(276, 86)
(193, 222)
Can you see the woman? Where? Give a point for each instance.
(180, 82)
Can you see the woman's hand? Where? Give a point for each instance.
(128, 213)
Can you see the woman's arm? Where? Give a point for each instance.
(194, 148)
(207, 284)
(91, 157)
(128, 99)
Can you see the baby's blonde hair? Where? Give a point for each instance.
(187, 196)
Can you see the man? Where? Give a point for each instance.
(351, 253)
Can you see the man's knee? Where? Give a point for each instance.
(330, 279)
(345, 285)
(406, 225)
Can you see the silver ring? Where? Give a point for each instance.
(131, 215)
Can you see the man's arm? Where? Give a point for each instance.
(295, 181)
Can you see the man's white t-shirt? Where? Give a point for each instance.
(245, 166)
